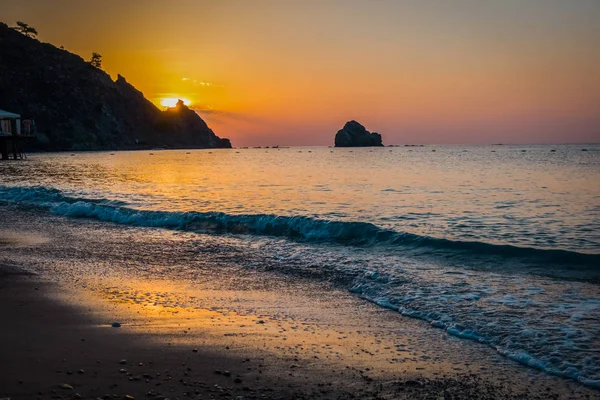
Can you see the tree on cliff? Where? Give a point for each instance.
(80, 107)
(26, 29)
(96, 60)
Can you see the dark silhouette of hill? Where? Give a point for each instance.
(79, 107)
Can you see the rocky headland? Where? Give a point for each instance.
(77, 106)
(354, 134)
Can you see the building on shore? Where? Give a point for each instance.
(14, 134)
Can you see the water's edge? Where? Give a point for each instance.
(311, 230)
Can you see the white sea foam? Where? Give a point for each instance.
(461, 271)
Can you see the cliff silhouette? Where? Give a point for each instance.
(79, 107)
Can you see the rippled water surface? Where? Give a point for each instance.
(498, 244)
(526, 196)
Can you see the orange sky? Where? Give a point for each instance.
(293, 72)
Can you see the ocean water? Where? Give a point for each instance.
(496, 244)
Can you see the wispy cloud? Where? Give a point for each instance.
(201, 83)
(209, 112)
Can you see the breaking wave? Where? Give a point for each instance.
(514, 325)
(301, 228)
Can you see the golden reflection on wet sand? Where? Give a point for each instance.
(293, 333)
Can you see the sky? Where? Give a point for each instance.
(293, 72)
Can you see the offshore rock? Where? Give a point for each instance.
(79, 107)
(354, 134)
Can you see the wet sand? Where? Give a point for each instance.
(220, 336)
(54, 350)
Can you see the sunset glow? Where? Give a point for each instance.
(300, 199)
(414, 72)
(172, 101)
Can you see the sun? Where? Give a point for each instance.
(172, 101)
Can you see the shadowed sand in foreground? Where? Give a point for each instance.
(219, 333)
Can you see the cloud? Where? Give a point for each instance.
(211, 113)
(196, 83)
(204, 84)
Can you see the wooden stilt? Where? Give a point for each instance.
(4, 149)
(12, 144)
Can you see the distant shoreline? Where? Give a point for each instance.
(137, 149)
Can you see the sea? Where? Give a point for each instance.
(495, 244)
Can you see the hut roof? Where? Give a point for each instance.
(8, 115)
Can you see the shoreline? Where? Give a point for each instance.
(279, 336)
(58, 350)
